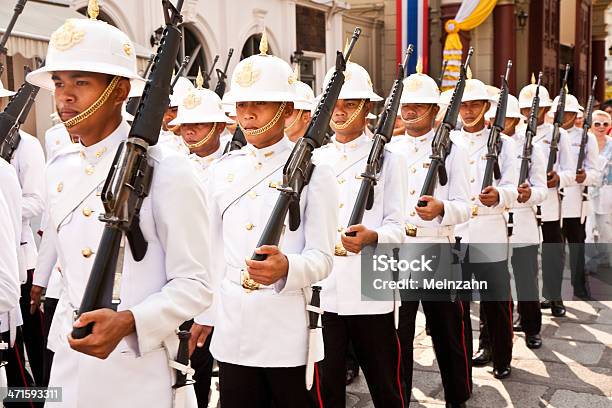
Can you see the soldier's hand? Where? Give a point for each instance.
(35, 295)
(433, 209)
(362, 238)
(524, 191)
(489, 196)
(553, 179)
(108, 330)
(199, 334)
(270, 270)
(580, 176)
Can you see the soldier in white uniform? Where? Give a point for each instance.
(574, 209)
(29, 162)
(200, 122)
(486, 233)
(260, 325)
(525, 232)
(125, 361)
(368, 325)
(562, 174)
(296, 124)
(168, 135)
(10, 317)
(434, 224)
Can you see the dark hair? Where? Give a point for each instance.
(606, 104)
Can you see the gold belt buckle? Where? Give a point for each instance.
(411, 230)
(339, 250)
(248, 283)
(474, 210)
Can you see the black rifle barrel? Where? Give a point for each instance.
(588, 118)
(557, 124)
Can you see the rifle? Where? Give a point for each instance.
(180, 72)
(133, 102)
(222, 75)
(13, 116)
(494, 142)
(238, 141)
(299, 166)
(382, 135)
(441, 144)
(588, 119)
(530, 132)
(444, 65)
(586, 126)
(557, 124)
(129, 179)
(209, 74)
(9, 29)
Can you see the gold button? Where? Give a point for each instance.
(473, 198)
(230, 177)
(341, 205)
(60, 187)
(413, 170)
(87, 252)
(249, 226)
(266, 155)
(472, 161)
(344, 157)
(100, 152)
(412, 214)
(89, 170)
(252, 194)
(412, 192)
(472, 180)
(340, 229)
(341, 180)
(87, 211)
(258, 166)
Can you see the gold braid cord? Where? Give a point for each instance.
(267, 126)
(480, 115)
(292, 124)
(417, 119)
(94, 106)
(204, 139)
(351, 119)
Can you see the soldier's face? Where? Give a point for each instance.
(231, 127)
(510, 126)
(471, 110)
(419, 116)
(344, 110)
(195, 132)
(169, 116)
(256, 115)
(568, 119)
(526, 112)
(76, 91)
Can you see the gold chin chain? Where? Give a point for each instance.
(94, 106)
(204, 140)
(292, 124)
(267, 126)
(351, 119)
(480, 115)
(417, 119)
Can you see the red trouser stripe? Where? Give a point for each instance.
(467, 367)
(399, 369)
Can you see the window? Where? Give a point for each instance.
(191, 46)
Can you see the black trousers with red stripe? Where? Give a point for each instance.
(377, 349)
(495, 310)
(446, 325)
(552, 260)
(16, 373)
(574, 233)
(33, 331)
(263, 387)
(525, 269)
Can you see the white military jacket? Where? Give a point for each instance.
(416, 152)
(265, 327)
(29, 161)
(565, 166)
(572, 194)
(525, 229)
(56, 137)
(10, 234)
(166, 288)
(201, 164)
(487, 224)
(341, 291)
(173, 141)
